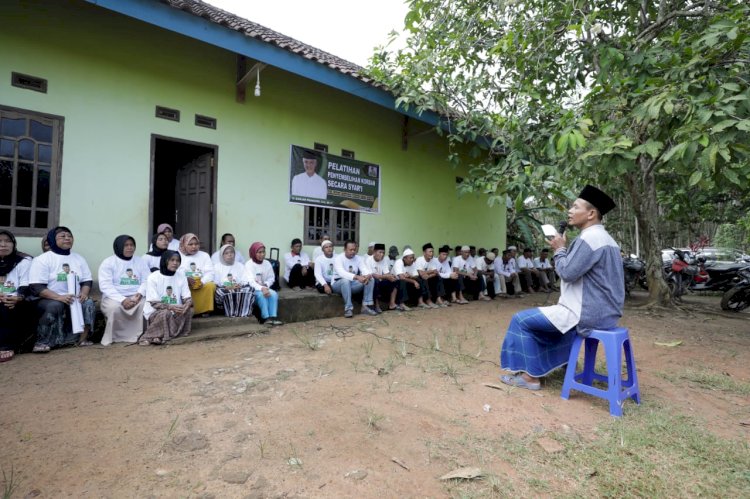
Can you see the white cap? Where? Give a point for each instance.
(512, 248)
(325, 243)
(465, 248)
(407, 252)
(372, 244)
(490, 256)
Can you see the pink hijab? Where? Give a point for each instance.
(254, 251)
(185, 239)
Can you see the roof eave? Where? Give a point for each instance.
(186, 24)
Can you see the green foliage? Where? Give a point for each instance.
(646, 98)
(730, 236)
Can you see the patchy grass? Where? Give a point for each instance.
(710, 380)
(11, 482)
(649, 453)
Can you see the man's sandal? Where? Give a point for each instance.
(518, 381)
(6, 355)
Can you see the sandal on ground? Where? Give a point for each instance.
(85, 343)
(41, 348)
(518, 381)
(423, 305)
(394, 307)
(403, 308)
(463, 302)
(6, 355)
(144, 343)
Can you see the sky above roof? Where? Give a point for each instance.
(349, 29)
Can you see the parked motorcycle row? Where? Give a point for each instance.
(686, 274)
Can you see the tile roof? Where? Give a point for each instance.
(254, 30)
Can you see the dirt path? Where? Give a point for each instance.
(321, 409)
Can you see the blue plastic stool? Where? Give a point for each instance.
(618, 390)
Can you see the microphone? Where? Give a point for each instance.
(561, 227)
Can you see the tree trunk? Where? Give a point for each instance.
(642, 188)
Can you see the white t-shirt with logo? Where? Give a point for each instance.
(52, 269)
(119, 279)
(171, 290)
(16, 278)
(324, 269)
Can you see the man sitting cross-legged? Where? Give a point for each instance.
(409, 288)
(350, 277)
(379, 267)
(429, 278)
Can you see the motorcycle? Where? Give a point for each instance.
(737, 298)
(634, 270)
(680, 274)
(684, 274)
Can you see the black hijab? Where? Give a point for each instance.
(8, 263)
(119, 246)
(53, 247)
(165, 257)
(154, 250)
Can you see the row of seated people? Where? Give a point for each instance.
(167, 287)
(428, 281)
(46, 300)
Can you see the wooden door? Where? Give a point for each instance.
(193, 199)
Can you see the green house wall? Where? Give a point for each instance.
(106, 74)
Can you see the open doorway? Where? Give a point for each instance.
(183, 179)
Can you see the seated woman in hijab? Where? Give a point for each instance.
(227, 239)
(197, 267)
(62, 280)
(259, 273)
(233, 293)
(122, 281)
(14, 286)
(168, 307)
(172, 243)
(159, 245)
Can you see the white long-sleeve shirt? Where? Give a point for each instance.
(323, 269)
(546, 264)
(400, 268)
(259, 275)
(203, 266)
(290, 260)
(309, 186)
(119, 279)
(229, 275)
(381, 268)
(525, 263)
(444, 268)
(347, 268)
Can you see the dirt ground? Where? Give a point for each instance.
(369, 407)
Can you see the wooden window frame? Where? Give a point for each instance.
(55, 174)
(328, 220)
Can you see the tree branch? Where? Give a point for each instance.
(653, 29)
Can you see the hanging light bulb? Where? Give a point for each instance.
(257, 84)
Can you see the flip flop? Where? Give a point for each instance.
(518, 381)
(41, 348)
(6, 355)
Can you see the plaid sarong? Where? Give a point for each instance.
(533, 345)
